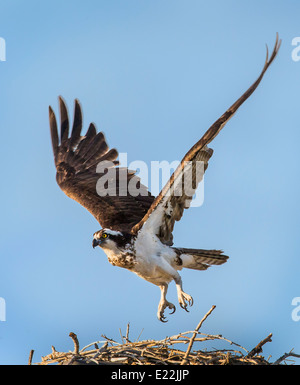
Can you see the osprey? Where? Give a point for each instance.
(137, 228)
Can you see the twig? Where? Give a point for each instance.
(30, 357)
(139, 335)
(121, 335)
(220, 337)
(258, 347)
(195, 333)
(76, 343)
(127, 333)
(91, 344)
(285, 356)
(110, 339)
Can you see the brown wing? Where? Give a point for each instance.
(168, 207)
(77, 160)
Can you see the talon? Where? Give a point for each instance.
(184, 307)
(162, 318)
(173, 310)
(185, 297)
(163, 304)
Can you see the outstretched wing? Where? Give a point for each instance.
(177, 194)
(81, 162)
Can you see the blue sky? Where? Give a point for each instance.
(153, 75)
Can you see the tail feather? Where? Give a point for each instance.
(199, 259)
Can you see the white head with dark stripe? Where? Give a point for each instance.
(111, 239)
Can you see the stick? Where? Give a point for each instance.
(195, 333)
(76, 343)
(121, 335)
(139, 335)
(258, 347)
(127, 333)
(30, 357)
(286, 355)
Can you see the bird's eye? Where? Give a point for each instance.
(104, 235)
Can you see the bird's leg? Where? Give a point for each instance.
(182, 296)
(163, 303)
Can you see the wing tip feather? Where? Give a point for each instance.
(53, 131)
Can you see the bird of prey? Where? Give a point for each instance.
(137, 229)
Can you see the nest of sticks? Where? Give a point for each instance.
(161, 352)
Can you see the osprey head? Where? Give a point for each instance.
(110, 239)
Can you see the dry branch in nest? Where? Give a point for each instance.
(161, 352)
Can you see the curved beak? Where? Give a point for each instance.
(96, 242)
